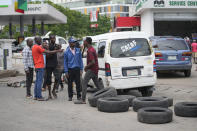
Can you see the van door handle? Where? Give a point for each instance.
(132, 58)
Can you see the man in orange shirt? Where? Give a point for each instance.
(37, 53)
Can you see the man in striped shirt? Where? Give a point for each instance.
(28, 66)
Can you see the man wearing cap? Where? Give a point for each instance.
(73, 67)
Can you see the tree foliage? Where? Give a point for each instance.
(77, 25)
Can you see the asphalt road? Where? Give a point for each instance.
(20, 114)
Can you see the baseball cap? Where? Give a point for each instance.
(72, 40)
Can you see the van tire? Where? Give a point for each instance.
(106, 92)
(128, 97)
(146, 91)
(154, 115)
(186, 109)
(113, 104)
(170, 101)
(142, 102)
(187, 73)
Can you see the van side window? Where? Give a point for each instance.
(62, 41)
(101, 49)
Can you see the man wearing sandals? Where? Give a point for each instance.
(37, 53)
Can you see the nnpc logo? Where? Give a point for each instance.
(159, 3)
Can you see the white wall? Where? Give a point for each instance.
(147, 22)
(6, 44)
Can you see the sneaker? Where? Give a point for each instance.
(29, 96)
(35, 98)
(70, 99)
(79, 102)
(41, 99)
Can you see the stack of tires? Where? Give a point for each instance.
(107, 100)
(153, 110)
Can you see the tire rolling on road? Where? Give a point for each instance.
(142, 102)
(154, 115)
(186, 109)
(106, 92)
(113, 104)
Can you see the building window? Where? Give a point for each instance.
(105, 9)
(125, 9)
(117, 8)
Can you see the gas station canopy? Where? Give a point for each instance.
(38, 12)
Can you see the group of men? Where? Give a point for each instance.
(48, 58)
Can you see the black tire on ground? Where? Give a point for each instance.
(154, 115)
(187, 73)
(128, 97)
(170, 101)
(186, 109)
(142, 102)
(106, 92)
(113, 104)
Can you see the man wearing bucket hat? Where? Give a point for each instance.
(73, 67)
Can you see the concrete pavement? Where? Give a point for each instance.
(20, 114)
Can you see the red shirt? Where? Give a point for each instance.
(38, 56)
(91, 55)
(194, 47)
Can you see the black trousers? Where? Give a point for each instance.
(58, 77)
(49, 70)
(74, 76)
(29, 80)
(45, 79)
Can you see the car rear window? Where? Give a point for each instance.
(171, 45)
(130, 48)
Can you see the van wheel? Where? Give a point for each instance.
(187, 73)
(146, 91)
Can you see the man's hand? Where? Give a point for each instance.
(60, 50)
(85, 69)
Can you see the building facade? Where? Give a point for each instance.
(111, 8)
(167, 17)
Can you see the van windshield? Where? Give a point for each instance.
(171, 45)
(130, 48)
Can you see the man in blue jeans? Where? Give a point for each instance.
(37, 53)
